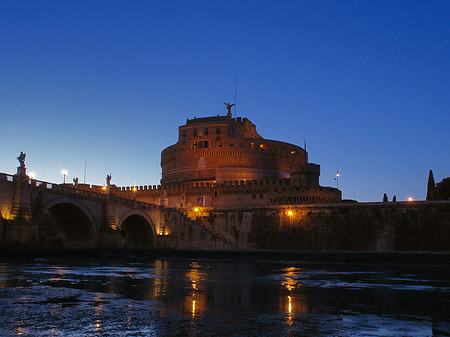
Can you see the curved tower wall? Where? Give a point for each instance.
(223, 148)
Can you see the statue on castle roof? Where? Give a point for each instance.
(108, 179)
(21, 159)
(229, 106)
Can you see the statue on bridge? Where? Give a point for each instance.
(108, 179)
(75, 181)
(21, 159)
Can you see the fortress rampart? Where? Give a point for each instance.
(228, 193)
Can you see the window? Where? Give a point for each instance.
(218, 130)
(206, 131)
(184, 133)
(195, 132)
(218, 138)
(200, 144)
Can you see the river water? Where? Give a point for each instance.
(217, 297)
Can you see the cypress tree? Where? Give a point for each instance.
(431, 186)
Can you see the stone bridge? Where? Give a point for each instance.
(42, 215)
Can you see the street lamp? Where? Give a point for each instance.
(337, 179)
(32, 175)
(64, 173)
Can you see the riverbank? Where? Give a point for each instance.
(412, 258)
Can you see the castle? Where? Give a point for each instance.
(222, 162)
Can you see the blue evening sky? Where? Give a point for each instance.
(366, 83)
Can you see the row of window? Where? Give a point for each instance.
(199, 132)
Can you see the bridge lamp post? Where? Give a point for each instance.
(64, 173)
(32, 175)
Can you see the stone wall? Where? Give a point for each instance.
(419, 226)
(403, 226)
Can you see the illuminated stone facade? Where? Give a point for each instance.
(222, 161)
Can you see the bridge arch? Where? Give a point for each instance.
(138, 230)
(67, 223)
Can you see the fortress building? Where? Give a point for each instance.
(222, 161)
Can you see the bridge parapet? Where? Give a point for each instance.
(6, 177)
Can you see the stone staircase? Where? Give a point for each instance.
(198, 233)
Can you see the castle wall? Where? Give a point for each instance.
(231, 194)
(223, 148)
(418, 226)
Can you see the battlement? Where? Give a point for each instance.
(205, 185)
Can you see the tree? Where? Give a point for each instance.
(431, 186)
(442, 190)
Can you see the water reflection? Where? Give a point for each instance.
(290, 282)
(20, 329)
(144, 296)
(196, 300)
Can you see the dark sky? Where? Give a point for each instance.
(366, 83)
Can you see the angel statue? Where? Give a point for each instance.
(229, 106)
(21, 159)
(108, 179)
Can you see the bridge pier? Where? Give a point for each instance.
(20, 231)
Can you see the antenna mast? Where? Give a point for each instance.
(235, 95)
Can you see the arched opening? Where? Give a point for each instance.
(65, 226)
(137, 233)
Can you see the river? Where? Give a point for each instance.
(220, 297)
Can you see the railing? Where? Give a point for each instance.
(6, 177)
(72, 190)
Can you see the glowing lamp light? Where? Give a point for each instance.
(290, 213)
(104, 188)
(196, 209)
(410, 199)
(134, 189)
(64, 173)
(32, 175)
